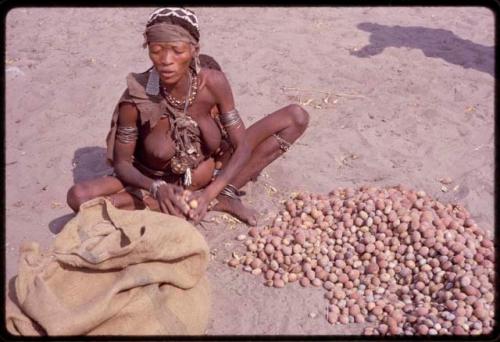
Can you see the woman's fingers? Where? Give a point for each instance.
(198, 213)
(166, 200)
(174, 197)
(167, 208)
(193, 214)
(167, 204)
(173, 208)
(174, 200)
(163, 207)
(184, 207)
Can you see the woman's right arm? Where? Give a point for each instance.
(167, 195)
(124, 149)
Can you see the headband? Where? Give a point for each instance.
(163, 32)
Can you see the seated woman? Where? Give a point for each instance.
(176, 127)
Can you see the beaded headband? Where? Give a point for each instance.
(181, 13)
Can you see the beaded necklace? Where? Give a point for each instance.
(185, 132)
(192, 92)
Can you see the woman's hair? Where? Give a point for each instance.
(209, 62)
(176, 16)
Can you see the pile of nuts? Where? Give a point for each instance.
(392, 256)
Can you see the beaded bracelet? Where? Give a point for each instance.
(153, 189)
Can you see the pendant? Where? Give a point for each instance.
(178, 165)
(187, 177)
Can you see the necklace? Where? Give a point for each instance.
(192, 91)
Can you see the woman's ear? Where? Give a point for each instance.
(195, 50)
(196, 57)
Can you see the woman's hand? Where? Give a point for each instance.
(169, 198)
(198, 202)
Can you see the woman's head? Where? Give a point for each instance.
(176, 16)
(172, 36)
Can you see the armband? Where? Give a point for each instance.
(127, 135)
(230, 118)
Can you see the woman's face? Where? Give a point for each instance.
(171, 59)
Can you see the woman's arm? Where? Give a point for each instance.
(242, 150)
(221, 90)
(167, 195)
(124, 151)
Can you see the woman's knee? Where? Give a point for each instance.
(299, 116)
(77, 195)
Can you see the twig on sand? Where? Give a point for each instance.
(201, 223)
(483, 145)
(344, 159)
(269, 188)
(230, 219)
(329, 93)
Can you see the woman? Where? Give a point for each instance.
(176, 127)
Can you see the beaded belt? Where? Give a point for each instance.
(170, 177)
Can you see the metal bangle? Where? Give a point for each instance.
(127, 135)
(230, 118)
(230, 191)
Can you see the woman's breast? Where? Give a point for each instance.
(157, 146)
(203, 174)
(210, 134)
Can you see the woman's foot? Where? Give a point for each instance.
(255, 178)
(236, 208)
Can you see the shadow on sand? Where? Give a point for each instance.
(434, 43)
(90, 162)
(57, 224)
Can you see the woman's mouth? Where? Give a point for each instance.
(167, 73)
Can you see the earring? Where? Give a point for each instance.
(153, 85)
(197, 64)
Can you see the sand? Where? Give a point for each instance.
(395, 95)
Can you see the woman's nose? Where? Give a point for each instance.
(166, 58)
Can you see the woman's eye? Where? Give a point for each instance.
(155, 49)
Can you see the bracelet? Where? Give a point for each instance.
(284, 145)
(127, 135)
(153, 189)
(230, 118)
(231, 191)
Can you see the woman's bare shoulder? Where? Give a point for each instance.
(216, 82)
(128, 113)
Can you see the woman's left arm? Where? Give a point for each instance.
(221, 90)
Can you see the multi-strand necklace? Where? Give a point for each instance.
(192, 92)
(185, 131)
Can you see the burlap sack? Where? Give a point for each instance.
(110, 272)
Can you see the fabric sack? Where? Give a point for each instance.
(113, 272)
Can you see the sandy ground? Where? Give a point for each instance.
(411, 101)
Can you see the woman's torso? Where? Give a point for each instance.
(155, 146)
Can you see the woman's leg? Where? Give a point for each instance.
(288, 123)
(106, 186)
